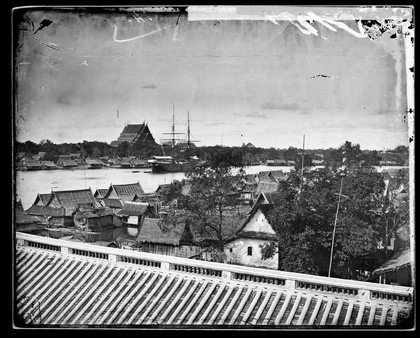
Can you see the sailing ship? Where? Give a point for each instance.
(165, 164)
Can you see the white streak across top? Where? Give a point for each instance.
(292, 12)
(303, 17)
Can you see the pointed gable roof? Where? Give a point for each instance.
(265, 176)
(125, 192)
(42, 199)
(262, 204)
(100, 193)
(71, 199)
(278, 175)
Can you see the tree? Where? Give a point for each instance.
(123, 149)
(351, 152)
(211, 207)
(303, 216)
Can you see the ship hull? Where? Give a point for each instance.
(173, 167)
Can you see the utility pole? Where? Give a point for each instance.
(303, 152)
(173, 126)
(335, 226)
(188, 136)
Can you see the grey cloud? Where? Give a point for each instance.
(215, 123)
(256, 115)
(275, 106)
(305, 112)
(151, 86)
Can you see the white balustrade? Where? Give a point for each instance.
(333, 286)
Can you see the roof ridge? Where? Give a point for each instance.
(61, 191)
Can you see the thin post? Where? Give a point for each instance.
(303, 153)
(188, 135)
(173, 126)
(335, 225)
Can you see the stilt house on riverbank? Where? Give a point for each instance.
(61, 205)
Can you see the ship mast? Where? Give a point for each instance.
(188, 136)
(173, 126)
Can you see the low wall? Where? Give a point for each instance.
(290, 280)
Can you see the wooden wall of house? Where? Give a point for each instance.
(99, 223)
(399, 277)
(170, 250)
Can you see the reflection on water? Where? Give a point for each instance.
(30, 183)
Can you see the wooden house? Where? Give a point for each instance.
(278, 175)
(49, 165)
(174, 240)
(154, 201)
(125, 162)
(93, 219)
(66, 202)
(132, 215)
(25, 222)
(94, 162)
(244, 247)
(137, 163)
(113, 203)
(49, 215)
(247, 186)
(124, 192)
(66, 162)
(35, 165)
(112, 161)
(396, 270)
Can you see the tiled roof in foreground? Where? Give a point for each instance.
(75, 284)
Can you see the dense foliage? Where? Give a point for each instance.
(211, 207)
(305, 210)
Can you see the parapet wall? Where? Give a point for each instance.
(289, 280)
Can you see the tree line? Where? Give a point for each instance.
(248, 153)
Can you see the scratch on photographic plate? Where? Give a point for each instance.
(372, 23)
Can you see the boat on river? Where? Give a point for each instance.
(173, 164)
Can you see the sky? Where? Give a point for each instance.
(87, 74)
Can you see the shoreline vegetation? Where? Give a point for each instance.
(94, 154)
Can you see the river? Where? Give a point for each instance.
(30, 183)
